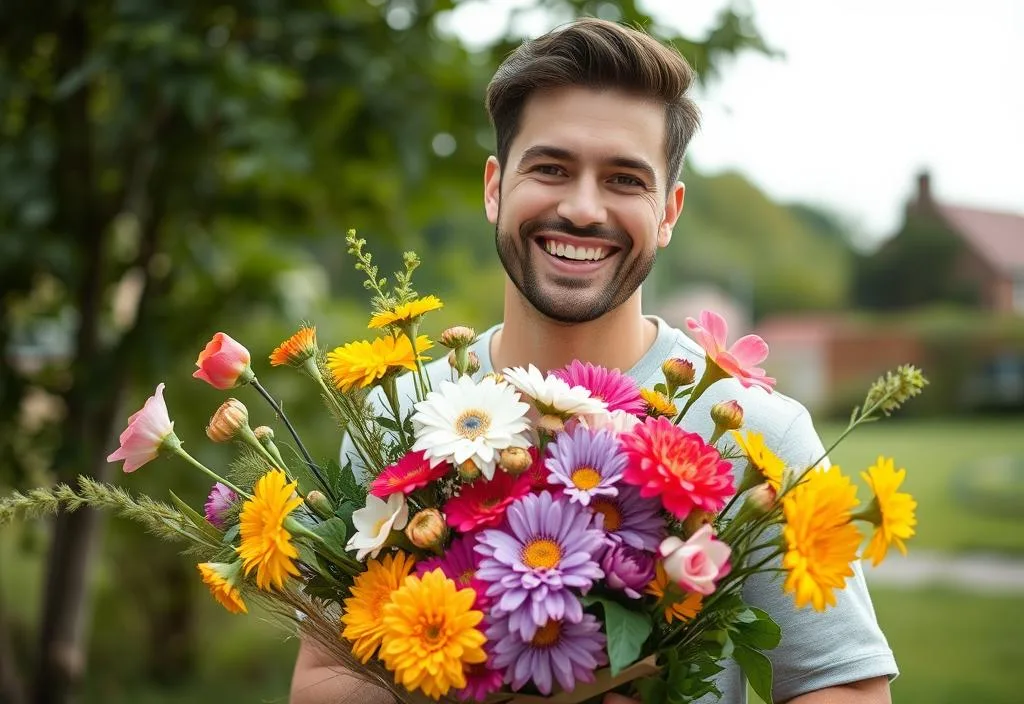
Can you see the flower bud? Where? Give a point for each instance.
(224, 363)
(550, 423)
(468, 470)
(762, 498)
(453, 360)
(727, 415)
(678, 372)
(697, 519)
(228, 421)
(515, 460)
(263, 433)
(473, 363)
(319, 503)
(427, 530)
(457, 336)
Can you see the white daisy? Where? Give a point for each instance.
(551, 395)
(467, 420)
(375, 522)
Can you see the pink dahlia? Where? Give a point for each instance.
(483, 503)
(740, 360)
(149, 429)
(407, 475)
(677, 466)
(613, 387)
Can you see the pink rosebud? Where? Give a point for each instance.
(697, 564)
(740, 360)
(224, 363)
(148, 430)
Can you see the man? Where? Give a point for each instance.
(592, 121)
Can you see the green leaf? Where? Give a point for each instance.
(204, 526)
(758, 670)
(335, 533)
(653, 690)
(761, 632)
(627, 631)
(231, 534)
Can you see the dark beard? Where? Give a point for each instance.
(567, 308)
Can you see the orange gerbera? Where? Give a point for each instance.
(296, 349)
(266, 544)
(682, 610)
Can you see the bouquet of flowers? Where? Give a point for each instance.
(513, 538)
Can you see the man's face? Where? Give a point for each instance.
(581, 207)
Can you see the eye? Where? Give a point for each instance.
(549, 169)
(627, 180)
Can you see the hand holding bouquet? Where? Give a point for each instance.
(524, 536)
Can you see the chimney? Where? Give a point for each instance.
(924, 189)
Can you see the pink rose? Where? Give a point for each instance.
(148, 430)
(224, 363)
(697, 564)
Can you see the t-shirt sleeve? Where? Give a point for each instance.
(819, 649)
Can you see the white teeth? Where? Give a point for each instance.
(581, 254)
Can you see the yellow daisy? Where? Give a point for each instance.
(221, 578)
(266, 544)
(406, 312)
(681, 610)
(658, 404)
(296, 349)
(360, 364)
(821, 541)
(430, 634)
(891, 511)
(364, 608)
(761, 458)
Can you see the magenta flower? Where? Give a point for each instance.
(224, 363)
(149, 429)
(481, 681)
(218, 503)
(627, 569)
(546, 548)
(460, 563)
(587, 463)
(561, 650)
(740, 360)
(630, 519)
(616, 389)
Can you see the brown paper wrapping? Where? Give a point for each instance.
(603, 682)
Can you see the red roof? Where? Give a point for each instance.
(997, 237)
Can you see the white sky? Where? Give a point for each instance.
(868, 93)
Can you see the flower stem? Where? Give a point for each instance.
(203, 468)
(287, 423)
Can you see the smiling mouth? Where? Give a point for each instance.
(574, 253)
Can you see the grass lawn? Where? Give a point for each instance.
(943, 459)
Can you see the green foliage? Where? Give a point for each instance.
(627, 631)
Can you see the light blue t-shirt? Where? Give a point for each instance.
(818, 649)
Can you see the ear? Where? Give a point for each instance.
(673, 208)
(492, 189)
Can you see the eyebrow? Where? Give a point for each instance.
(542, 151)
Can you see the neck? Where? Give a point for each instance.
(616, 340)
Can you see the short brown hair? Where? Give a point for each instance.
(595, 53)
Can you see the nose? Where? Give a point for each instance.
(582, 205)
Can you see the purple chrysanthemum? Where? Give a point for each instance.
(546, 548)
(218, 503)
(628, 569)
(630, 518)
(588, 463)
(559, 650)
(613, 387)
(460, 563)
